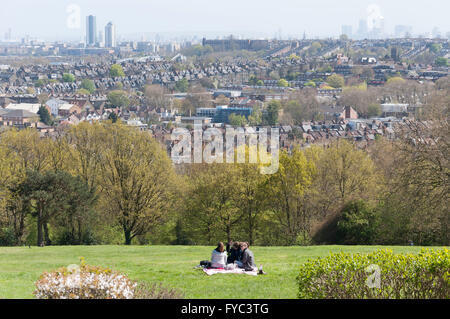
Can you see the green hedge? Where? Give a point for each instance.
(380, 274)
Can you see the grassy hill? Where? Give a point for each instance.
(173, 265)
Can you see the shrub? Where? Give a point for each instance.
(401, 276)
(84, 282)
(156, 291)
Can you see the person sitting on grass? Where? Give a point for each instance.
(219, 257)
(247, 258)
(234, 253)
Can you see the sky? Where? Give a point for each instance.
(65, 19)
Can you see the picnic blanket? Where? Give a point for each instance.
(213, 271)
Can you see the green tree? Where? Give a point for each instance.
(118, 98)
(283, 83)
(49, 194)
(237, 120)
(336, 81)
(44, 115)
(374, 110)
(116, 70)
(357, 224)
(67, 77)
(441, 61)
(271, 114)
(136, 179)
(287, 191)
(88, 85)
(182, 85)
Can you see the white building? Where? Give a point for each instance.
(33, 108)
(54, 105)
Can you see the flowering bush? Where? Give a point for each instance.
(84, 282)
(380, 274)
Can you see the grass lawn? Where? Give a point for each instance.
(173, 265)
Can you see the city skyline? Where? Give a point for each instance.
(267, 20)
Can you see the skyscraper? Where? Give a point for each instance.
(91, 30)
(110, 35)
(347, 30)
(362, 30)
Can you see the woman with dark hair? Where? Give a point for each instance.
(219, 257)
(234, 253)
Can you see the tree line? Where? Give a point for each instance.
(111, 184)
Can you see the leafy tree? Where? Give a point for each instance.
(67, 77)
(44, 115)
(136, 180)
(48, 194)
(113, 117)
(118, 98)
(441, 61)
(374, 110)
(357, 224)
(237, 120)
(336, 81)
(182, 85)
(116, 70)
(271, 115)
(88, 85)
(435, 47)
(310, 84)
(287, 191)
(283, 83)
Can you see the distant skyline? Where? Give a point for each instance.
(58, 19)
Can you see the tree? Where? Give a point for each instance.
(374, 110)
(67, 77)
(346, 173)
(118, 98)
(336, 81)
(271, 115)
(44, 115)
(116, 70)
(211, 208)
(287, 198)
(357, 224)
(156, 97)
(48, 194)
(237, 120)
(136, 180)
(441, 61)
(182, 85)
(113, 117)
(88, 85)
(283, 83)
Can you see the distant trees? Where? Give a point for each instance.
(336, 81)
(67, 77)
(237, 120)
(270, 117)
(282, 83)
(116, 70)
(119, 98)
(441, 61)
(88, 85)
(182, 85)
(44, 115)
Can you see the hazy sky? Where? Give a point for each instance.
(51, 19)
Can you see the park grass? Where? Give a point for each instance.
(20, 267)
